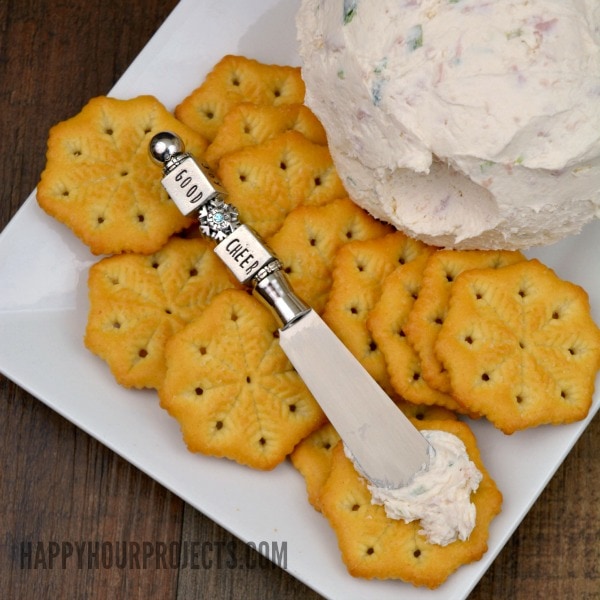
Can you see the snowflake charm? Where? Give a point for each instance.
(218, 219)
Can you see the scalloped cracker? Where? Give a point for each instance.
(231, 387)
(237, 79)
(99, 179)
(375, 546)
(138, 302)
(520, 346)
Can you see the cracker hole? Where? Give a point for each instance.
(563, 394)
(401, 333)
(282, 165)
(77, 153)
(168, 311)
(147, 130)
(100, 220)
(522, 293)
(354, 310)
(115, 281)
(292, 407)
(317, 181)
(108, 131)
(199, 391)
(202, 350)
(276, 334)
(262, 441)
(124, 173)
(247, 128)
(522, 345)
(478, 296)
(117, 325)
(65, 194)
(449, 278)
(360, 268)
(485, 377)
(313, 242)
(234, 317)
(349, 234)
(219, 425)
(355, 507)
(519, 398)
(235, 82)
(555, 315)
(370, 550)
(420, 416)
(438, 321)
(372, 346)
(572, 351)
(276, 92)
(469, 339)
(141, 218)
(209, 114)
(288, 270)
(326, 445)
(143, 353)
(417, 553)
(248, 379)
(155, 265)
(242, 177)
(193, 272)
(401, 260)
(416, 376)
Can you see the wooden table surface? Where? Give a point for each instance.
(58, 485)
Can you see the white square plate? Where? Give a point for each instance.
(43, 311)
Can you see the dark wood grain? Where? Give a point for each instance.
(57, 484)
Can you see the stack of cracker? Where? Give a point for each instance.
(445, 333)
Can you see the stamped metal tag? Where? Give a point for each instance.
(190, 186)
(244, 254)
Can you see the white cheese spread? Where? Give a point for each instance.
(439, 496)
(465, 123)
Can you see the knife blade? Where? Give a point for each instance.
(385, 446)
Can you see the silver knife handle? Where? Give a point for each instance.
(195, 189)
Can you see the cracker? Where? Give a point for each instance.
(138, 301)
(520, 346)
(429, 310)
(231, 387)
(358, 273)
(100, 181)
(374, 546)
(252, 124)
(267, 181)
(313, 455)
(387, 321)
(236, 79)
(309, 239)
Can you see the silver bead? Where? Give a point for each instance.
(164, 145)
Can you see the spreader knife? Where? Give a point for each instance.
(385, 446)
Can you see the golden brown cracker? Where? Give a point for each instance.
(251, 124)
(358, 273)
(387, 321)
(232, 389)
(375, 546)
(236, 79)
(267, 181)
(309, 239)
(520, 346)
(138, 301)
(429, 310)
(99, 179)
